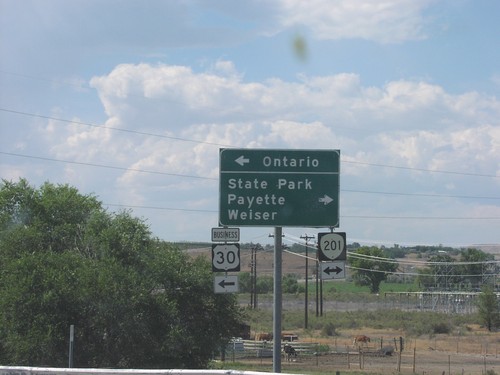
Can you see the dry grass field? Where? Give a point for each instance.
(472, 351)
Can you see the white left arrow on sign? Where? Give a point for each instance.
(226, 284)
(242, 160)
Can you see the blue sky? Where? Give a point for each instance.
(131, 101)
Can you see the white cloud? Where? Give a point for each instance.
(419, 123)
(472, 150)
(409, 124)
(227, 85)
(388, 21)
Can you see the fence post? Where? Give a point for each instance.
(414, 357)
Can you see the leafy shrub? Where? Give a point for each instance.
(322, 348)
(329, 330)
(441, 327)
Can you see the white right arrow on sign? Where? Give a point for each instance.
(325, 200)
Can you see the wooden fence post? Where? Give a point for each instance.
(414, 358)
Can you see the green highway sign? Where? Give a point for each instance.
(266, 187)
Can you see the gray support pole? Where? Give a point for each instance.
(306, 294)
(71, 344)
(306, 297)
(277, 301)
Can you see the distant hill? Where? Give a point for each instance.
(293, 263)
(490, 249)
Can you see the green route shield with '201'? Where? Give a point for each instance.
(268, 187)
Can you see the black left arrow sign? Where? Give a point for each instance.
(225, 283)
(329, 270)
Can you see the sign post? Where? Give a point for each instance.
(277, 299)
(277, 188)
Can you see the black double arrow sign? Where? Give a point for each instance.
(329, 270)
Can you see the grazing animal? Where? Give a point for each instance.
(387, 350)
(263, 336)
(290, 352)
(360, 340)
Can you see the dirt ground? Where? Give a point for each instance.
(475, 352)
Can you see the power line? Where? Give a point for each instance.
(212, 178)
(409, 261)
(402, 262)
(417, 194)
(413, 273)
(223, 145)
(390, 260)
(111, 128)
(159, 208)
(422, 217)
(368, 217)
(420, 169)
(106, 166)
(350, 216)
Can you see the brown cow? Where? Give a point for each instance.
(361, 339)
(263, 336)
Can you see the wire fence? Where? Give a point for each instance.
(464, 356)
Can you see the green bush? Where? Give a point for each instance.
(441, 327)
(329, 330)
(413, 323)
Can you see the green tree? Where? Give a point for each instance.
(265, 284)
(370, 267)
(441, 273)
(244, 282)
(135, 301)
(290, 284)
(488, 307)
(475, 266)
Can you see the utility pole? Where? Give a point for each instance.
(306, 302)
(254, 281)
(277, 298)
(253, 276)
(317, 285)
(252, 272)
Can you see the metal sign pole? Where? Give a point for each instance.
(277, 301)
(71, 344)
